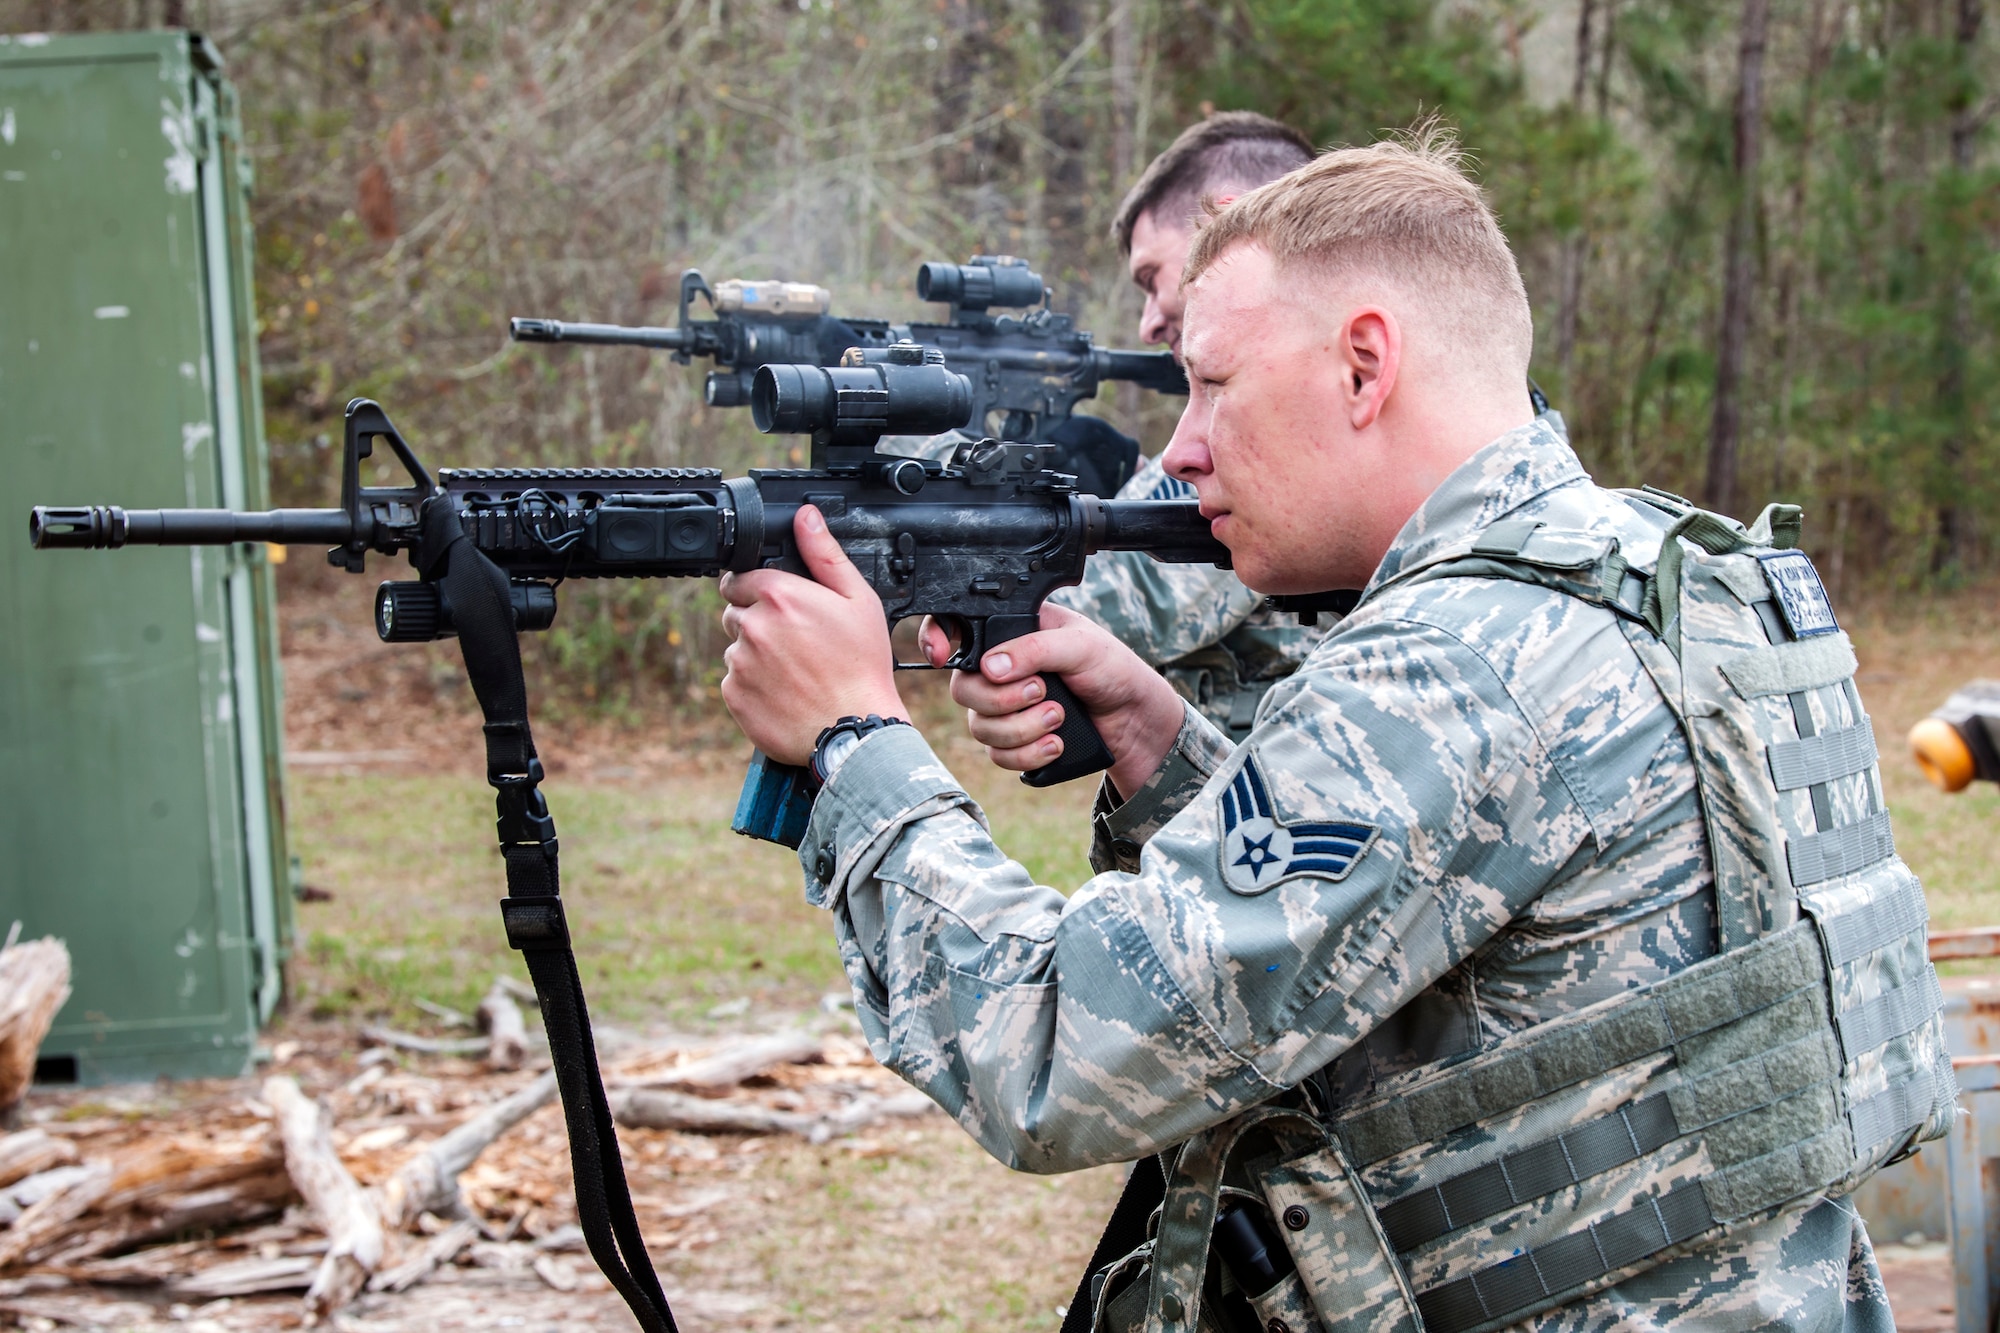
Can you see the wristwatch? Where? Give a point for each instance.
(838, 741)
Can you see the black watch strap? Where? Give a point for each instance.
(856, 727)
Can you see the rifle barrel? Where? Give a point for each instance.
(106, 527)
(610, 335)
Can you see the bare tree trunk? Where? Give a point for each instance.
(1604, 65)
(1572, 244)
(1739, 268)
(1955, 517)
(1823, 28)
(1066, 141)
(1124, 92)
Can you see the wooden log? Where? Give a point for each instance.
(729, 1067)
(345, 1211)
(648, 1108)
(149, 1189)
(34, 982)
(428, 1182)
(410, 1041)
(500, 1019)
(250, 1277)
(438, 1251)
(445, 1013)
(31, 1151)
(656, 1108)
(50, 1219)
(864, 1111)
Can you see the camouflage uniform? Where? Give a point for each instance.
(1491, 821)
(1212, 638)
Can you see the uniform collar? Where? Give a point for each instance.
(1525, 463)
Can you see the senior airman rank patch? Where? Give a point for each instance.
(1259, 850)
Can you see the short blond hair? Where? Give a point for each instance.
(1406, 209)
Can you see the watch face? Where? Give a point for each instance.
(829, 755)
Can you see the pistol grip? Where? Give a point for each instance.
(776, 802)
(1084, 750)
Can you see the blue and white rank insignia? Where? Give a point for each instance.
(1259, 850)
(1801, 597)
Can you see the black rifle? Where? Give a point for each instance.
(979, 542)
(1028, 372)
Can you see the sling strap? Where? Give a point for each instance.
(477, 591)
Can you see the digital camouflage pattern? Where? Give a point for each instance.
(1513, 818)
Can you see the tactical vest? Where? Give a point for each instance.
(1805, 1055)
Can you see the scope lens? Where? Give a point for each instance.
(940, 282)
(781, 399)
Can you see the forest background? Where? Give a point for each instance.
(1759, 235)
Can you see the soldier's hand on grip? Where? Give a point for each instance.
(1007, 711)
(804, 652)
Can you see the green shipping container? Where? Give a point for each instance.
(141, 773)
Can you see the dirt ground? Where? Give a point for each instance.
(903, 1221)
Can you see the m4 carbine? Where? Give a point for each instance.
(1027, 372)
(978, 543)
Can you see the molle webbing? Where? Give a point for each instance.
(1823, 758)
(1818, 857)
(1893, 1110)
(1867, 927)
(1532, 1279)
(1613, 1140)
(1707, 996)
(1892, 1014)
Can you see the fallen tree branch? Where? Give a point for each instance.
(644, 1108)
(49, 1219)
(500, 1019)
(445, 1013)
(409, 1041)
(728, 1068)
(438, 1251)
(250, 1277)
(428, 1182)
(345, 1212)
(32, 1151)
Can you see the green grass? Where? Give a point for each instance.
(673, 914)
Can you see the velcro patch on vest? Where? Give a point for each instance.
(1801, 597)
(1260, 850)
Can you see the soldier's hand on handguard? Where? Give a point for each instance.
(1133, 707)
(805, 652)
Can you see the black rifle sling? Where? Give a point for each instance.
(1145, 1190)
(477, 592)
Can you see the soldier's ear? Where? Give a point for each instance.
(1370, 346)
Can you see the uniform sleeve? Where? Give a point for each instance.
(1390, 815)
(1160, 611)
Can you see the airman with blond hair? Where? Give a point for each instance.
(1541, 958)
